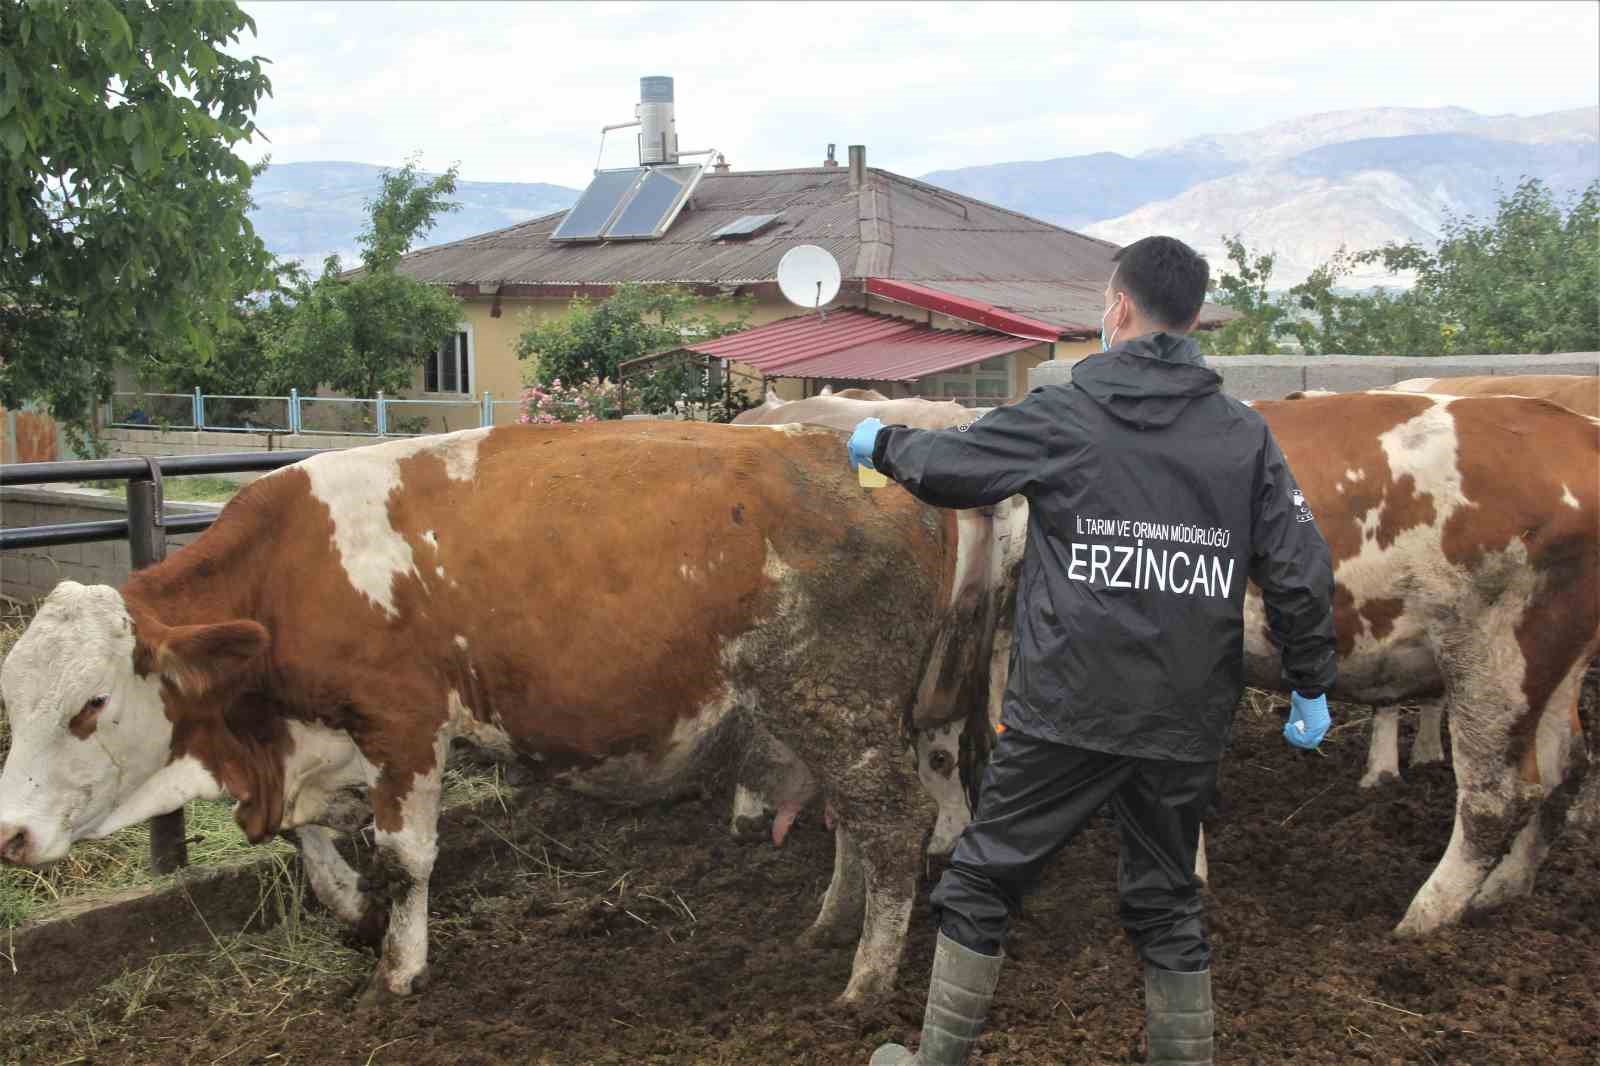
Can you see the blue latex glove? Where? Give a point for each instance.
(1308, 721)
(862, 442)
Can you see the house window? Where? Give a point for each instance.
(450, 368)
(985, 384)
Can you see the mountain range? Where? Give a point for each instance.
(1303, 188)
(1300, 189)
(308, 211)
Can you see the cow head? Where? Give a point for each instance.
(90, 728)
(938, 754)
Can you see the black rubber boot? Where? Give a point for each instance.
(1178, 1019)
(958, 1001)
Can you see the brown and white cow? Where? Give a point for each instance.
(991, 544)
(1465, 535)
(616, 602)
(1576, 392)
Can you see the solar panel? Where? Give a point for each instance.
(599, 202)
(655, 203)
(746, 226)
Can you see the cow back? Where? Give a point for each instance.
(1576, 392)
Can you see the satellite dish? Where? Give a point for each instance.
(808, 276)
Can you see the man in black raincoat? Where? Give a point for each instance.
(1152, 498)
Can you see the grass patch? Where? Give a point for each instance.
(191, 488)
(302, 954)
(96, 868)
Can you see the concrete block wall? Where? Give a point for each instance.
(1272, 377)
(30, 573)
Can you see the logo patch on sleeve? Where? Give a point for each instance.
(1302, 512)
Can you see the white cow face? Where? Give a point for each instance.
(88, 734)
(85, 729)
(938, 765)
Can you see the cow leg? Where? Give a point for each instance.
(1556, 762)
(891, 890)
(881, 806)
(1494, 797)
(1383, 751)
(1428, 747)
(882, 810)
(844, 906)
(1202, 870)
(335, 882)
(410, 849)
(1585, 810)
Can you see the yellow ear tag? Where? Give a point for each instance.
(869, 478)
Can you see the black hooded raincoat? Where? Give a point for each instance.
(1153, 498)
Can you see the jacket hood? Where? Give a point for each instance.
(1147, 381)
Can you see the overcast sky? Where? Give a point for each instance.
(518, 92)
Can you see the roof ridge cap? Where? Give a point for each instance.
(874, 229)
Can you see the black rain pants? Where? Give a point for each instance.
(1036, 795)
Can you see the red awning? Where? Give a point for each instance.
(963, 307)
(853, 345)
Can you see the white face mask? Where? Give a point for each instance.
(1105, 342)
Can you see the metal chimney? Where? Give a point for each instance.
(658, 128)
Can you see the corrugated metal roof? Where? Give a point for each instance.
(978, 312)
(857, 346)
(891, 227)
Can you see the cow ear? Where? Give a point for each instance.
(201, 659)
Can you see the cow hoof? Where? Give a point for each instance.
(825, 937)
(1387, 777)
(1416, 925)
(750, 828)
(863, 987)
(378, 993)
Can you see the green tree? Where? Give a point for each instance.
(122, 203)
(1377, 322)
(1524, 281)
(239, 360)
(1262, 317)
(364, 332)
(592, 340)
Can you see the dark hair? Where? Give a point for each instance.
(1166, 279)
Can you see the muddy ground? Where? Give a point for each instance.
(580, 933)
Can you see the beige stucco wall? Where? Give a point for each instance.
(494, 339)
(1072, 351)
(501, 373)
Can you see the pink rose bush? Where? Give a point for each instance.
(589, 401)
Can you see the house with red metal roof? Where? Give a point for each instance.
(942, 295)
